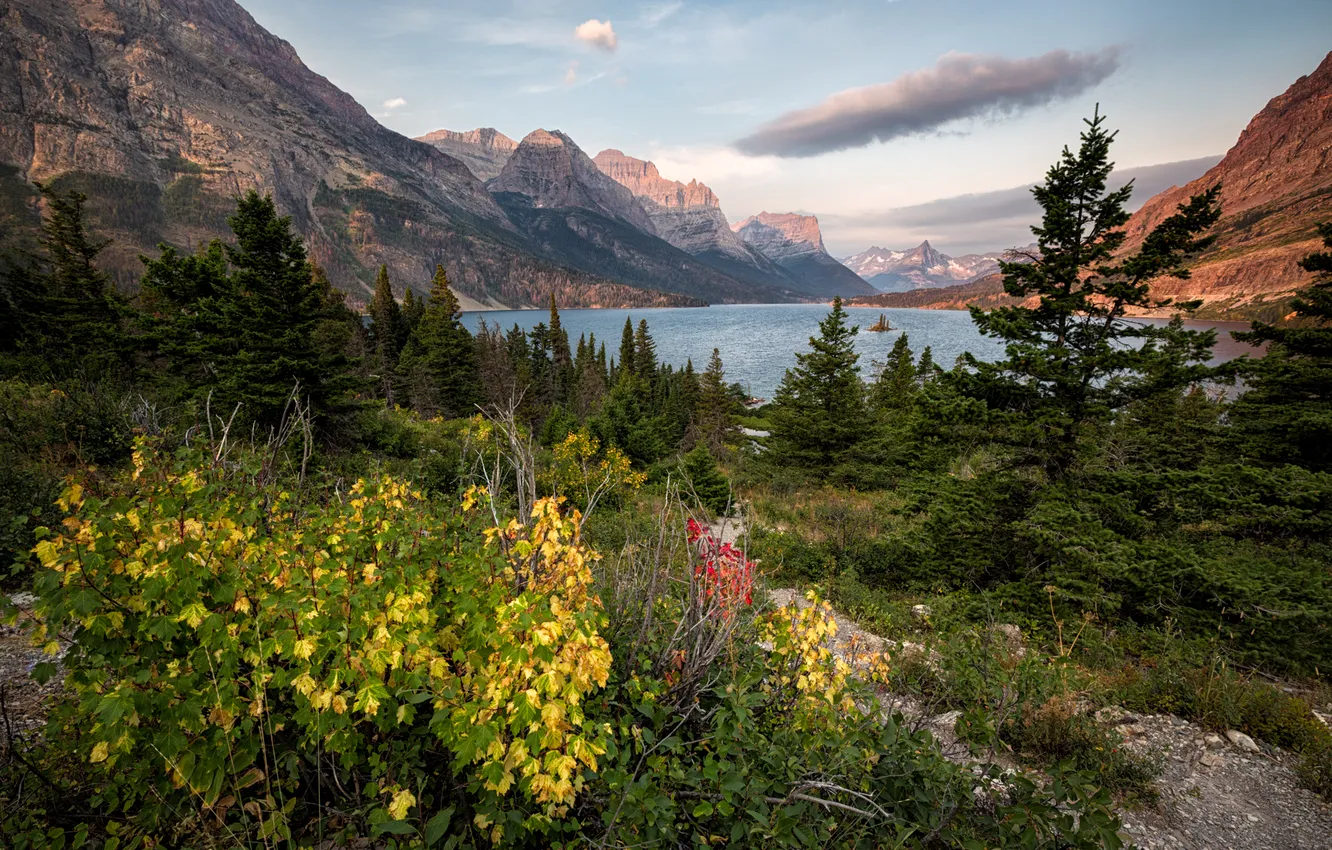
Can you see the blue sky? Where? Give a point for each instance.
(711, 89)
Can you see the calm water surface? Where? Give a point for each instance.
(758, 342)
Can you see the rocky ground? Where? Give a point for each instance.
(1218, 792)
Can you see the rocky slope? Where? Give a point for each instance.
(795, 243)
(920, 267)
(581, 217)
(689, 216)
(163, 110)
(1276, 184)
(483, 150)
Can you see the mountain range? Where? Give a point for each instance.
(923, 267)
(163, 112)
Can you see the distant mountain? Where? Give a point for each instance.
(1276, 185)
(581, 217)
(689, 217)
(921, 267)
(163, 112)
(986, 291)
(483, 150)
(795, 243)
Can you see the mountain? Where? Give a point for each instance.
(689, 217)
(581, 217)
(921, 267)
(163, 111)
(986, 291)
(483, 150)
(1276, 184)
(795, 243)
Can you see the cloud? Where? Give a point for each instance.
(395, 103)
(571, 73)
(960, 85)
(597, 33)
(653, 15)
(985, 221)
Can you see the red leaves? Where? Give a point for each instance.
(727, 577)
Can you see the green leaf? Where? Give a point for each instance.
(438, 825)
(395, 827)
(702, 810)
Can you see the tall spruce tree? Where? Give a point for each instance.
(412, 310)
(819, 416)
(897, 378)
(387, 335)
(626, 361)
(438, 365)
(270, 310)
(561, 360)
(1285, 416)
(713, 424)
(1070, 360)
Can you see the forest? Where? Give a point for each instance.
(311, 578)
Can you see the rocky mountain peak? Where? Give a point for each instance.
(483, 150)
(800, 232)
(643, 179)
(551, 171)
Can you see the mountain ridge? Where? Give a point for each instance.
(795, 243)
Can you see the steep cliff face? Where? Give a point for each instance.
(553, 173)
(1276, 184)
(483, 150)
(796, 244)
(581, 217)
(163, 110)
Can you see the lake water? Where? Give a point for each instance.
(758, 342)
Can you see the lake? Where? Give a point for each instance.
(758, 342)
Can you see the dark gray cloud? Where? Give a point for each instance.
(986, 221)
(960, 85)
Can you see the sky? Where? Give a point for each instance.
(892, 120)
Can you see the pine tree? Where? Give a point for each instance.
(706, 480)
(412, 310)
(267, 317)
(387, 335)
(626, 361)
(927, 370)
(645, 354)
(1285, 416)
(712, 415)
(819, 415)
(896, 382)
(1069, 360)
(438, 365)
(562, 377)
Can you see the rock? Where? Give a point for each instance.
(1211, 759)
(1213, 741)
(1268, 179)
(921, 612)
(947, 720)
(1113, 715)
(483, 150)
(795, 242)
(1010, 637)
(1242, 742)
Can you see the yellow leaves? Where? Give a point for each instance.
(72, 497)
(99, 752)
(403, 800)
(368, 573)
(48, 553)
(303, 648)
(193, 614)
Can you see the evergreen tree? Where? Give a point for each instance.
(562, 377)
(1285, 416)
(712, 415)
(819, 414)
(267, 316)
(897, 378)
(412, 310)
(387, 335)
(927, 370)
(1069, 359)
(438, 365)
(626, 361)
(495, 369)
(706, 480)
(645, 354)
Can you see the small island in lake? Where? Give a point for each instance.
(881, 325)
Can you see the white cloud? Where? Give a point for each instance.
(597, 33)
(395, 103)
(653, 15)
(571, 73)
